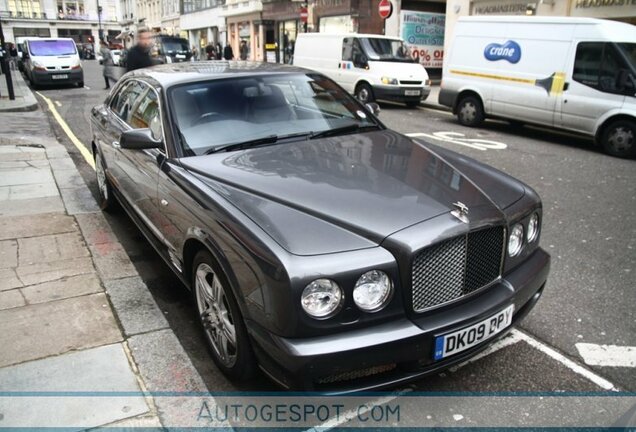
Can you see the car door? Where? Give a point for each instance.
(592, 89)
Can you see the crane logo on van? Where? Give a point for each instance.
(510, 51)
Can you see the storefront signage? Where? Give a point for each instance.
(603, 8)
(602, 3)
(501, 8)
(423, 33)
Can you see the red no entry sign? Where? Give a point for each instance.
(303, 14)
(385, 8)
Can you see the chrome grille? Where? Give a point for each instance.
(454, 268)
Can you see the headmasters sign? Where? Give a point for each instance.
(423, 33)
(603, 8)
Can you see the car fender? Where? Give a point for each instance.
(616, 112)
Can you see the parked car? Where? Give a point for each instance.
(170, 49)
(331, 251)
(52, 61)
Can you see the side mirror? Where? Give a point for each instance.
(374, 108)
(138, 139)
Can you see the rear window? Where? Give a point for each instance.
(52, 47)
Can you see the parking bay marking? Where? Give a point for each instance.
(82, 149)
(607, 355)
(457, 138)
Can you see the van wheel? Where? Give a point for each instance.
(470, 111)
(364, 93)
(219, 314)
(619, 139)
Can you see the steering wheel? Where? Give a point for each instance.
(208, 117)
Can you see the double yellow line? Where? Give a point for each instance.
(81, 147)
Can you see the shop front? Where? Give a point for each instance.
(281, 21)
(618, 10)
(246, 31)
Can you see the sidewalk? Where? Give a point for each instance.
(74, 314)
(24, 99)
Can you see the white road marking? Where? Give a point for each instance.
(574, 367)
(87, 87)
(58, 103)
(607, 355)
(457, 138)
(510, 339)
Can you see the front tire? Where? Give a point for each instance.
(619, 139)
(107, 201)
(222, 322)
(470, 111)
(364, 93)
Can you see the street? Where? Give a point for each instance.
(589, 228)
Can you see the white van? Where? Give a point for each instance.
(577, 74)
(369, 66)
(52, 61)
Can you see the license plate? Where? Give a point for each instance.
(468, 337)
(59, 76)
(180, 56)
(412, 92)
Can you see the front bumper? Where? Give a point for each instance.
(73, 76)
(399, 351)
(399, 94)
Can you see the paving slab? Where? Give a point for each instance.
(95, 228)
(42, 330)
(112, 261)
(9, 279)
(24, 176)
(35, 225)
(164, 366)
(11, 299)
(56, 247)
(62, 163)
(29, 191)
(50, 271)
(136, 309)
(32, 206)
(68, 178)
(8, 254)
(102, 369)
(78, 200)
(64, 288)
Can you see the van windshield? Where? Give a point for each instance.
(174, 45)
(54, 47)
(386, 50)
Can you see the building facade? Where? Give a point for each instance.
(201, 23)
(76, 19)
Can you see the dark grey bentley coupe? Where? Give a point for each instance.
(333, 253)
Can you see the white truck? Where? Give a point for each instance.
(577, 74)
(372, 67)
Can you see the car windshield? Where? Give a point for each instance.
(174, 45)
(226, 113)
(52, 47)
(386, 50)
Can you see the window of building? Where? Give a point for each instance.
(25, 8)
(31, 32)
(336, 24)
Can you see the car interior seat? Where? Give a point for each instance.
(267, 104)
(186, 108)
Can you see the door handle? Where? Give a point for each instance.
(566, 86)
(116, 145)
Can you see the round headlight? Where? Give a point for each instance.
(516, 240)
(372, 291)
(322, 298)
(533, 228)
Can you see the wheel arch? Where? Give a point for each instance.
(468, 92)
(600, 130)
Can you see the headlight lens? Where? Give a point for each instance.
(533, 228)
(322, 298)
(387, 80)
(516, 240)
(372, 291)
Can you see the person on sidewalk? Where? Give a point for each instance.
(243, 50)
(108, 63)
(228, 52)
(139, 55)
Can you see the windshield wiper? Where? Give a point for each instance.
(342, 130)
(269, 139)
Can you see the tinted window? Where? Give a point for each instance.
(52, 47)
(587, 64)
(600, 65)
(146, 111)
(351, 51)
(123, 103)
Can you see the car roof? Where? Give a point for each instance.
(171, 74)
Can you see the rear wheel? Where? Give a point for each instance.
(619, 139)
(218, 312)
(364, 93)
(470, 111)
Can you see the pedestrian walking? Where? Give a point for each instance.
(195, 53)
(209, 52)
(139, 55)
(219, 51)
(109, 65)
(13, 56)
(228, 52)
(243, 50)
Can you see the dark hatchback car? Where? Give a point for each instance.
(333, 253)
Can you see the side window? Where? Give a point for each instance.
(146, 110)
(123, 103)
(347, 49)
(587, 63)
